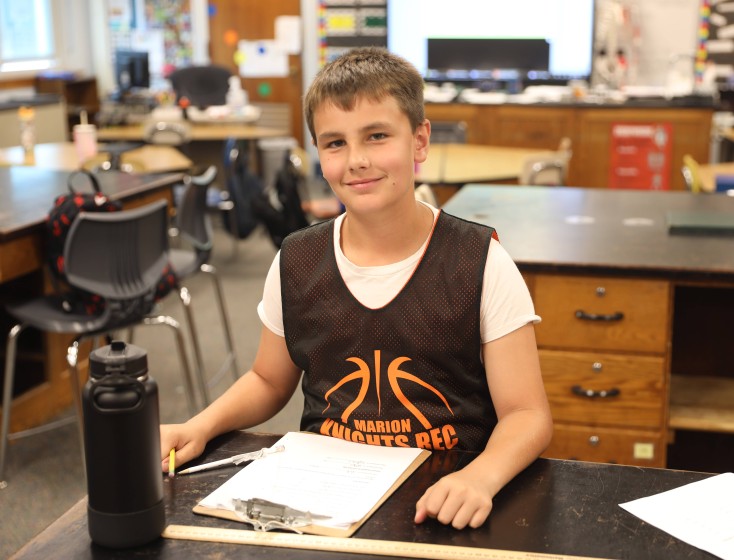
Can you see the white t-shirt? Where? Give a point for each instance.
(506, 304)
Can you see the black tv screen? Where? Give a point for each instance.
(484, 59)
(520, 29)
(132, 70)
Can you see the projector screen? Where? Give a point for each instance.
(566, 25)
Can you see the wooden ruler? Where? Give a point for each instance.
(353, 545)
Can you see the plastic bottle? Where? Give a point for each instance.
(26, 119)
(85, 139)
(122, 442)
(236, 96)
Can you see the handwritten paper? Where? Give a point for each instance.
(326, 476)
(700, 513)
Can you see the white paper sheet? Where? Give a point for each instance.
(323, 475)
(700, 513)
(262, 59)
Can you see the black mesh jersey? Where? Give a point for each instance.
(406, 374)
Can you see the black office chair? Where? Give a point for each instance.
(120, 256)
(448, 132)
(193, 224)
(203, 86)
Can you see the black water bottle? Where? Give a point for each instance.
(122, 440)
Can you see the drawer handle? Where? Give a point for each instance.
(580, 314)
(591, 394)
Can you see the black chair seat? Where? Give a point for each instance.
(47, 313)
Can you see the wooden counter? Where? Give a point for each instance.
(634, 341)
(62, 156)
(588, 126)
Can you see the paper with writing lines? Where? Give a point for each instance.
(322, 475)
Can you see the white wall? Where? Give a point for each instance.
(665, 30)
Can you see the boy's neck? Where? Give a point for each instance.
(382, 239)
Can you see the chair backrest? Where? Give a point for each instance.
(448, 132)
(691, 174)
(192, 218)
(550, 169)
(118, 255)
(204, 86)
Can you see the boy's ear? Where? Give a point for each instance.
(422, 140)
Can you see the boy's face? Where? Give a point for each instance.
(368, 154)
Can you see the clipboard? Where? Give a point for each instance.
(700, 223)
(328, 531)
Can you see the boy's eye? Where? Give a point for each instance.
(335, 144)
(378, 136)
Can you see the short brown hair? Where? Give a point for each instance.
(371, 73)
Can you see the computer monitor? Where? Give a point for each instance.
(131, 70)
(486, 59)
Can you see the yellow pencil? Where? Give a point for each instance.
(172, 463)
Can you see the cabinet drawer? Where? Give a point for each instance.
(532, 127)
(607, 445)
(608, 389)
(602, 313)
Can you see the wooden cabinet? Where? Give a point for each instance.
(603, 346)
(541, 128)
(690, 134)
(80, 94)
(588, 127)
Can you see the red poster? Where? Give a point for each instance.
(640, 156)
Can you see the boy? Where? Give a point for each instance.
(402, 318)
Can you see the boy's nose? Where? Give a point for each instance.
(358, 159)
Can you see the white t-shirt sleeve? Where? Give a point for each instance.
(270, 309)
(506, 301)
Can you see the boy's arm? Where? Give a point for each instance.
(253, 398)
(523, 432)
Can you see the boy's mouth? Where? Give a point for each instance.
(362, 183)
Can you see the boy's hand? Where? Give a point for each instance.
(188, 443)
(457, 499)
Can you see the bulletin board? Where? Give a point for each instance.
(345, 24)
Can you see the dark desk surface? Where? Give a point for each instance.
(600, 230)
(27, 193)
(553, 507)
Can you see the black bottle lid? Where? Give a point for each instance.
(120, 358)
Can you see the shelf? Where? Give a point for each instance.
(702, 403)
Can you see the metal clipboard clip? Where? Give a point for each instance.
(264, 515)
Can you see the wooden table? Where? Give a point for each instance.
(449, 166)
(664, 302)
(708, 172)
(26, 194)
(553, 507)
(206, 140)
(473, 163)
(62, 156)
(198, 131)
